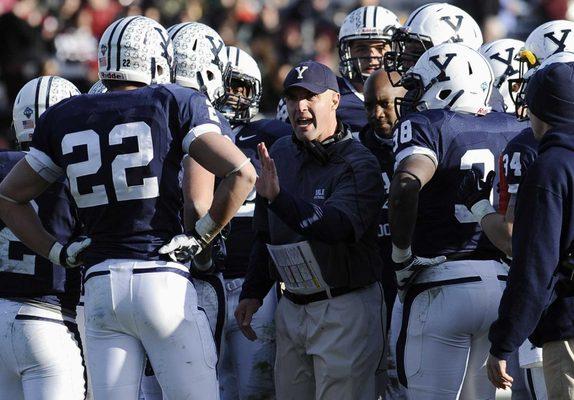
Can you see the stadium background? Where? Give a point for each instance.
(59, 37)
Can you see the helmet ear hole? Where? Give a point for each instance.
(444, 94)
(210, 75)
(159, 69)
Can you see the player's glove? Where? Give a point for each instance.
(475, 193)
(69, 255)
(408, 266)
(183, 248)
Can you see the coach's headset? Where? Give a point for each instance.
(318, 150)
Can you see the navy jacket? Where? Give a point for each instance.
(539, 301)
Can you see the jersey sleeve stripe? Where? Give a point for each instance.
(412, 150)
(513, 188)
(196, 132)
(43, 165)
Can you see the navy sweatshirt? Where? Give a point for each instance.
(537, 302)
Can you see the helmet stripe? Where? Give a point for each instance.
(375, 16)
(176, 31)
(119, 41)
(36, 98)
(110, 43)
(237, 56)
(49, 88)
(413, 16)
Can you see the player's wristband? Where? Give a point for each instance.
(207, 229)
(55, 252)
(401, 255)
(482, 208)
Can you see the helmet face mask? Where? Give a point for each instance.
(242, 85)
(373, 25)
(407, 47)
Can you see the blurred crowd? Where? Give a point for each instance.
(59, 37)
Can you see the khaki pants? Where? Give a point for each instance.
(559, 369)
(330, 349)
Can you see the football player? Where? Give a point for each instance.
(377, 136)
(39, 346)
(364, 38)
(450, 278)
(516, 158)
(246, 367)
(122, 152)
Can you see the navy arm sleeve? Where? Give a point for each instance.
(257, 280)
(326, 224)
(536, 256)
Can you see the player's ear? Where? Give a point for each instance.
(335, 100)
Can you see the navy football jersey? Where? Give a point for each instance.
(23, 274)
(351, 107)
(241, 235)
(382, 149)
(122, 153)
(455, 142)
(515, 160)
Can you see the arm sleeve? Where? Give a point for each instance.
(326, 224)
(44, 157)
(536, 255)
(195, 117)
(415, 135)
(257, 280)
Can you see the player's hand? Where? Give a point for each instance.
(182, 248)
(69, 255)
(244, 314)
(267, 184)
(473, 189)
(497, 375)
(409, 269)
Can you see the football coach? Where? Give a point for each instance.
(319, 196)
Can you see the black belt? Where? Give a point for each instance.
(303, 299)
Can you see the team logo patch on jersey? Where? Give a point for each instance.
(319, 194)
(28, 112)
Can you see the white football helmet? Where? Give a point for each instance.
(243, 73)
(364, 23)
(520, 104)
(548, 39)
(34, 98)
(502, 55)
(200, 58)
(136, 49)
(98, 88)
(449, 76)
(428, 26)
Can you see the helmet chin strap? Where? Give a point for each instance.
(454, 99)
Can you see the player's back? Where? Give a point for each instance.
(25, 275)
(456, 142)
(122, 154)
(351, 108)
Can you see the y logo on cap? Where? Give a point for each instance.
(300, 71)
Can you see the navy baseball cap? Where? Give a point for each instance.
(313, 76)
(550, 94)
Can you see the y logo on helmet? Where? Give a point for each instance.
(215, 49)
(441, 77)
(164, 45)
(454, 27)
(558, 42)
(506, 61)
(28, 112)
(300, 71)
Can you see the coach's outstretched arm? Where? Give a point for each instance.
(17, 190)
(222, 158)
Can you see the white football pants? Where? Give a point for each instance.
(39, 356)
(443, 343)
(136, 307)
